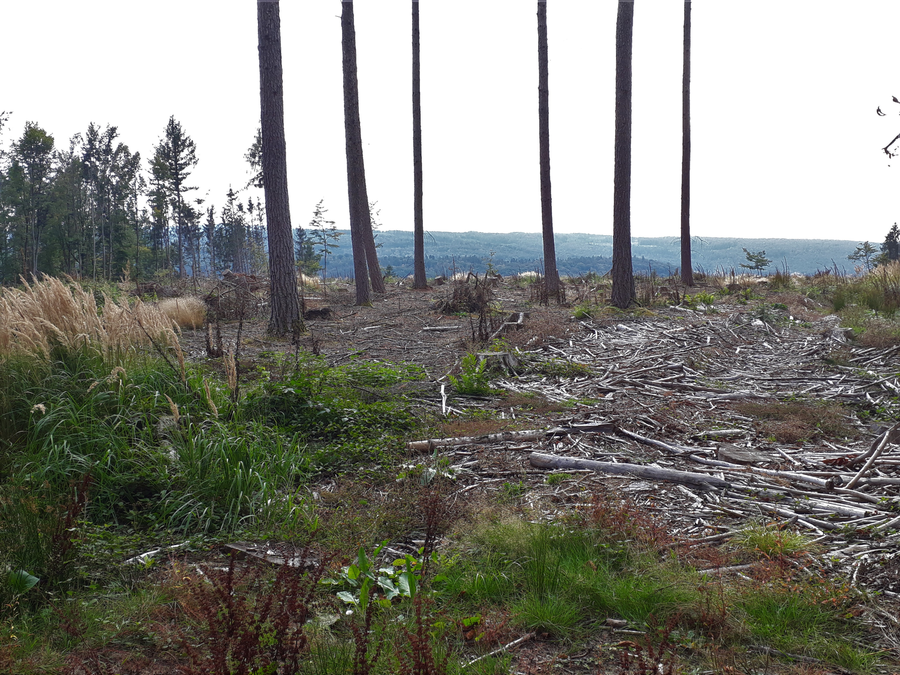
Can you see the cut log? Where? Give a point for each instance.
(543, 461)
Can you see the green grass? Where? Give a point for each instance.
(560, 579)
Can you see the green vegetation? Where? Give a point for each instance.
(474, 380)
(112, 447)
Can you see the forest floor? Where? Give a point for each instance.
(759, 380)
(726, 457)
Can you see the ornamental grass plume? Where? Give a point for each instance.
(187, 312)
(50, 314)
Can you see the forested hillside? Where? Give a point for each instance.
(581, 253)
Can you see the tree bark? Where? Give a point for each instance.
(285, 305)
(622, 274)
(356, 185)
(419, 279)
(543, 461)
(551, 277)
(687, 272)
(365, 258)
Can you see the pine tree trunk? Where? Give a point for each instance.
(622, 274)
(551, 277)
(419, 278)
(285, 305)
(687, 272)
(356, 175)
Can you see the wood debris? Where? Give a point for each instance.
(661, 402)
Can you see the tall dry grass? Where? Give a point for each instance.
(50, 313)
(187, 312)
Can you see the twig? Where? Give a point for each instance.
(512, 644)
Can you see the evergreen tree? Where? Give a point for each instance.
(551, 277)
(864, 253)
(234, 235)
(365, 257)
(254, 159)
(890, 249)
(622, 274)
(324, 235)
(308, 261)
(756, 261)
(175, 157)
(284, 300)
(210, 233)
(419, 279)
(687, 272)
(30, 178)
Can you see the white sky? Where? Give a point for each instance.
(786, 142)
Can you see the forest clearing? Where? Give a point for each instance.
(466, 479)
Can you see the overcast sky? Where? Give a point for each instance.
(786, 141)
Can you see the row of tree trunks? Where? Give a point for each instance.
(285, 305)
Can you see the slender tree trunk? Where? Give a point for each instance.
(687, 272)
(285, 313)
(622, 274)
(179, 230)
(419, 278)
(356, 173)
(551, 277)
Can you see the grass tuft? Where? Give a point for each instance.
(188, 312)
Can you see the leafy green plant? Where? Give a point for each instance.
(511, 492)
(365, 580)
(20, 582)
(473, 380)
(584, 311)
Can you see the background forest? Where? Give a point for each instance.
(95, 209)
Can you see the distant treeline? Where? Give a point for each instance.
(446, 252)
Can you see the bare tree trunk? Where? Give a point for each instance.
(419, 278)
(551, 277)
(356, 173)
(285, 314)
(622, 274)
(687, 272)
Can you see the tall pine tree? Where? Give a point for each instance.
(175, 158)
(622, 273)
(284, 299)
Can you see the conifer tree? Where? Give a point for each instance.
(174, 159)
(622, 274)
(551, 277)
(284, 299)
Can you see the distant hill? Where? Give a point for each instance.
(581, 253)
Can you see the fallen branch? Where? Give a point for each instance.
(826, 484)
(874, 453)
(543, 461)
